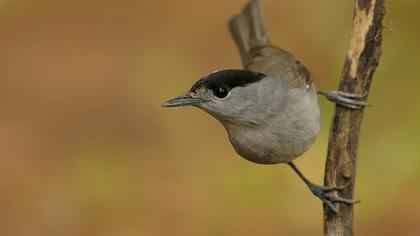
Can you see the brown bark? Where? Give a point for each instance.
(361, 61)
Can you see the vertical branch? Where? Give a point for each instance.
(361, 61)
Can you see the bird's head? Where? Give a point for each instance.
(231, 96)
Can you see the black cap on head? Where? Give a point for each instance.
(228, 79)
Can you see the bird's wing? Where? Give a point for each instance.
(280, 63)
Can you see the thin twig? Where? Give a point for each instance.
(361, 61)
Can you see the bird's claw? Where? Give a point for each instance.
(345, 99)
(324, 193)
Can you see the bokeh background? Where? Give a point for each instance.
(86, 149)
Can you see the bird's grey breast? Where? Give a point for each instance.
(288, 129)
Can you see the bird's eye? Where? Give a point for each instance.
(221, 92)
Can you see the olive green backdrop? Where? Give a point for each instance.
(86, 149)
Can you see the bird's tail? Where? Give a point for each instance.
(248, 31)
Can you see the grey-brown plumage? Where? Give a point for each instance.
(293, 123)
(270, 108)
(248, 31)
(257, 54)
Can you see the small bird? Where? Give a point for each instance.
(270, 108)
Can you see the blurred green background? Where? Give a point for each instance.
(86, 149)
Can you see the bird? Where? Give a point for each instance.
(270, 107)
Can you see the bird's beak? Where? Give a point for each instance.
(183, 100)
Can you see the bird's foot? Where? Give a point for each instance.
(349, 100)
(324, 193)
